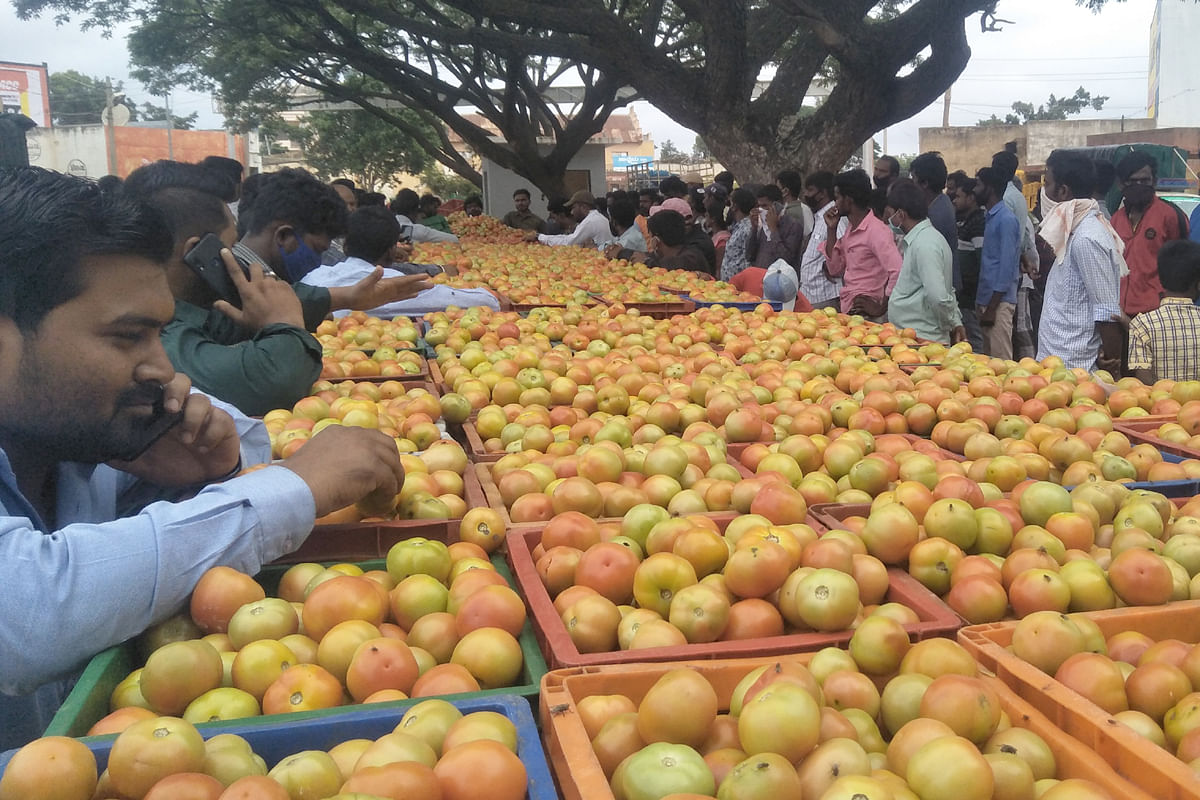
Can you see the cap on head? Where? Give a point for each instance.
(582, 197)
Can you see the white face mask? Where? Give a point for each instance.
(1048, 205)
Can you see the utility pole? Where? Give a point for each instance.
(946, 109)
(170, 125)
(111, 134)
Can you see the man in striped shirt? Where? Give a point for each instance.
(1083, 289)
(821, 290)
(1165, 342)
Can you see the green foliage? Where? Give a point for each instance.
(700, 151)
(1054, 108)
(447, 185)
(667, 151)
(78, 99)
(359, 144)
(150, 113)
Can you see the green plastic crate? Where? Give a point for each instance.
(88, 701)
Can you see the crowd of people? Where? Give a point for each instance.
(955, 257)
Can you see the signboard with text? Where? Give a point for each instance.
(25, 89)
(622, 161)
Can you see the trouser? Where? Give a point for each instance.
(997, 336)
(835, 304)
(970, 321)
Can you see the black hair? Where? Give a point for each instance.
(725, 178)
(1106, 173)
(893, 164)
(522, 191)
(1006, 163)
(648, 192)
(1135, 161)
(370, 233)
(966, 184)
(50, 223)
(473, 200)
(696, 201)
(250, 189)
(742, 199)
(855, 185)
(406, 202)
(295, 197)
(905, 195)
(822, 181)
(993, 179)
(190, 197)
(372, 199)
(929, 169)
(1178, 264)
(956, 178)
(349, 184)
(109, 183)
(791, 181)
(557, 205)
(623, 211)
(717, 208)
(428, 200)
(769, 191)
(669, 226)
(1073, 170)
(229, 167)
(672, 186)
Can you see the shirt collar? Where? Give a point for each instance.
(920, 226)
(1176, 301)
(994, 210)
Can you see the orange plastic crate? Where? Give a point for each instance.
(1144, 763)
(579, 776)
(1141, 430)
(936, 619)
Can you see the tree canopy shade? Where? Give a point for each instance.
(699, 61)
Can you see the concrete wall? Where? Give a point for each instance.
(499, 183)
(82, 149)
(971, 147)
(1173, 83)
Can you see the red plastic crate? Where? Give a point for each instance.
(1144, 763)
(361, 541)
(579, 776)
(936, 619)
(656, 310)
(1141, 430)
(475, 444)
(831, 515)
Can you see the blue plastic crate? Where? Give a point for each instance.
(321, 730)
(775, 304)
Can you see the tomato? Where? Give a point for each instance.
(757, 569)
(493, 656)
(591, 622)
(178, 673)
(597, 709)
(223, 703)
(50, 768)
(399, 780)
(658, 578)
(218, 594)
(308, 774)
(228, 757)
(119, 720)
(258, 664)
(492, 607)
(879, 645)
(462, 770)
(418, 556)
(302, 687)
(950, 768)
(662, 768)
(827, 600)
(151, 749)
(820, 768)
(337, 647)
(346, 597)
(765, 776)
(752, 618)
(396, 746)
(482, 725)
(186, 786)
(445, 679)
(378, 664)
(679, 708)
(609, 568)
(269, 618)
(783, 718)
(429, 721)
(968, 705)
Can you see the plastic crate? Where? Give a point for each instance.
(1144, 763)
(580, 776)
(740, 306)
(359, 541)
(88, 701)
(1141, 430)
(936, 619)
(831, 515)
(664, 310)
(321, 730)
(483, 472)
(435, 375)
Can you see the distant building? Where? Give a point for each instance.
(1174, 81)
(83, 150)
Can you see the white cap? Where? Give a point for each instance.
(780, 284)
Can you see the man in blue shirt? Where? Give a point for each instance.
(92, 548)
(999, 266)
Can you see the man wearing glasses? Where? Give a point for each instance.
(1144, 223)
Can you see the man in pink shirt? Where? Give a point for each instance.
(865, 257)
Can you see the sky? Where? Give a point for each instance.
(1053, 46)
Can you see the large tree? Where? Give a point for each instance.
(78, 99)
(700, 61)
(1054, 108)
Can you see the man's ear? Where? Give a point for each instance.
(285, 237)
(188, 244)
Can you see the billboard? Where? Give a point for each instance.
(25, 89)
(624, 161)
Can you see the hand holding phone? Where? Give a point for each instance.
(159, 423)
(206, 261)
(264, 300)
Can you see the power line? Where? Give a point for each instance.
(1064, 58)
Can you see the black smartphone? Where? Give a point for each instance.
(154, 428)
(406, 232)
(205, 260)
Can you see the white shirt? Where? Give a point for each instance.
(424, 233)
(814, 284)
(440, 297)
(592, 231)
(1082, 290)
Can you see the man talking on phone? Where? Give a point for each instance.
(97, 542)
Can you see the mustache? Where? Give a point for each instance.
(149, 393)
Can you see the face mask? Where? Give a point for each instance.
(1047, 204)
(896, 229)
(301, 262)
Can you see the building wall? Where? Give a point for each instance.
(969, 147)
(1174, 84)
(499, 183)
(82, 149)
